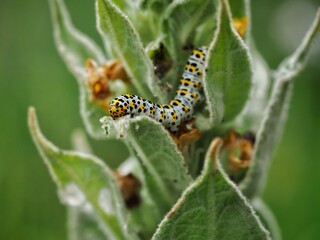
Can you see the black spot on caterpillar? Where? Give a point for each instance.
(180, 109)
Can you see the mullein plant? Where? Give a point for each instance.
(203, 182)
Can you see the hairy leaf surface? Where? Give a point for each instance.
(228, 79)
(212, 208)
(84, 181)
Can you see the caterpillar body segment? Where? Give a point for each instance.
(178, 110)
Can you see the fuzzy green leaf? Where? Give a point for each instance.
(240, 9)
(146, 215)
(267, 218)
(179, 24)
(228, 80)
(180, 20)
(80, 142)
(205, 32)
(75, 48)
(251, 117)
(83, 225)
(267, 138)
(295, 63)
(164, 168)
(116, 28)
(86, 182)
(90, 113)
(273, 123)
(212, 208)
(163, 165)
(156, 6)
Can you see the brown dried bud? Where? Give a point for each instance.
(130, 188)
(114, 69)
(186, 135)
(99, 78)
(240, 150)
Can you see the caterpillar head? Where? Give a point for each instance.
(118, 107)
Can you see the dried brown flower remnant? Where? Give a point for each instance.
(186, 135)
(100, 77)
(130, 188)
(240, 150)
(189, 137)
(240, 25)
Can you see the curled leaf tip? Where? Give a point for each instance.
(39, 139)
(31, 116)
(33, 122)
(215, 145)
(213, 152)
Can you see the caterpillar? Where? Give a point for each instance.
(180, 109)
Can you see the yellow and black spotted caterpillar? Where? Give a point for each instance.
(180, 109)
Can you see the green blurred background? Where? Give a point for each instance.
(32, 73)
